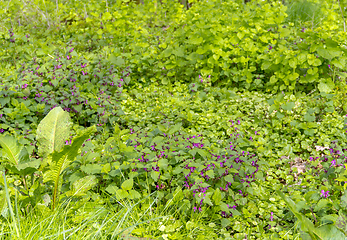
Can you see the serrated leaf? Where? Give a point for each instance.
(163, 163)
(203, 153)
(341, 221)
(229, 178)
(330, 232)
(91, 168)
(225, 222)
(321, 204)
(157, 140)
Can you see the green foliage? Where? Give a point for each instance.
(59, 161)
(197, 116)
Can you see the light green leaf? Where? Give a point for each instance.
(121, 193)
(326, 87)
(118, 61)
(217, 196)
(288, 106)
(155, 175)
(128, 184)
(175, 128)
(83, 185)
(133, 194)
(11, 150)
(53, 131)
(112, 188)
(106, 16)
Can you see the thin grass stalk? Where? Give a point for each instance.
(10, 206)
(343, 17)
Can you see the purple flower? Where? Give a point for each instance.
(270, 47)
(324, 194)
(272, 216)
(333, 163)
(71, 50)
(329, 66)
(2, 130)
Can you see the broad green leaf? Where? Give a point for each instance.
(91, 168)
(217, 196)
(326, 87)
(83, 185)
(158, 139)
(293, 62)
(162, 163)
(321, 204)
(118, 61)
(155, 175)
(53, 131)
(330, 232)
(12, 151)
(341, 221)
(288, 106)
(133, 194)
(203, 153)
(328, 53)
(195, 40)
(128, 184)
(106, 16)
(112, 188)
(225, 222)
(175, 128)
(309, 118)
(306, 223)
(121, 193)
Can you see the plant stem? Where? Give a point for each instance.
(25, 184)
(10, 206)
(315, 219)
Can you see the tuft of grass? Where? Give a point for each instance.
(116, 221)
(303, 11)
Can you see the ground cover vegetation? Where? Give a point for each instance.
(157, 120)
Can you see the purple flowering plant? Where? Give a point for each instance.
(90, 90)
(207, 175)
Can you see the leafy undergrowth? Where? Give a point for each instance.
(121, 120)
